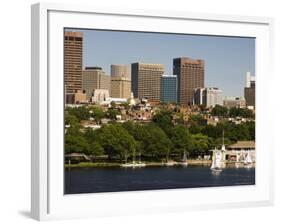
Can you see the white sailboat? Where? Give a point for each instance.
(248, 160)
(133, 163)
(216, 163)
(223, 146)
(223, 153)
(184, 159)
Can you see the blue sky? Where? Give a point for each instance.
(227, 59)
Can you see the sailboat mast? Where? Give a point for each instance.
(134, 155)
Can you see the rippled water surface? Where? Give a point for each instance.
(92, 180)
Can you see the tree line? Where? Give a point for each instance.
(161, 139)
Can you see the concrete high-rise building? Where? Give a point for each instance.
(250, 90)
(95, 78)
(208, 97)
(146, 80)
(214, 97)
(73, 45)
(105, 83)
(121, 71)
(120, 87)
(190, 74)
(168, 89)
(198, 96)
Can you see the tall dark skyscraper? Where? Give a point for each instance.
(146, 80)
(250, 90)
(73, 47)
(190, 73)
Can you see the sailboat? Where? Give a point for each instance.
(248, 161)
(184, 159)
(223, 151)
(222, 146)
(169, 162)
(216, 163)
(133, 163)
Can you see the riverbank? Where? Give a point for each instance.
(115, 164)
(191, 162)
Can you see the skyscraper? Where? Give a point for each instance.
(250, 90)
(146, 80)
(208, 97)
(73, 45)
(190, 74)
(120, 71)
(169, 88)
(120, 87)
(95, 78)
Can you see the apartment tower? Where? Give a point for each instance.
(73, 45)
(190, 74)
(146, 80)
(250, 90)
(120, 71)
(95, 78)
(120, 87)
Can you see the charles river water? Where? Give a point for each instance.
(94, 180)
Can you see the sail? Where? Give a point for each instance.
(248, 158)
(184, 157)
(216, 163)
(218, 160)
(213, 164)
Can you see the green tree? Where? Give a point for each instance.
(164, 119)
(196, 123)
(116, 141)
(112, 113)
(212, 131)
(70, 119)
(95, 149)
(76, 144)
(154, 141)
(181, 140)
(241, 112)
(97, 114)
(81, 113)
(201, 144)
(252, 130)
(220, 111)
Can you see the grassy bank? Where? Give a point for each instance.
(116, 164)
(90, 164)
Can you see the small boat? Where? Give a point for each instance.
(184, 159)
(216, 163)
(133, 164)
(248, 160)
(170, 163)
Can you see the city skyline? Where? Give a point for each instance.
(227, 59)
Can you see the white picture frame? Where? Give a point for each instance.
(48, 201)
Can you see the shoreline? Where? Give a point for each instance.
(191, 162)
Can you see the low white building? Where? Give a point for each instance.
(238, 102)
(100, 95)
(237, 152)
